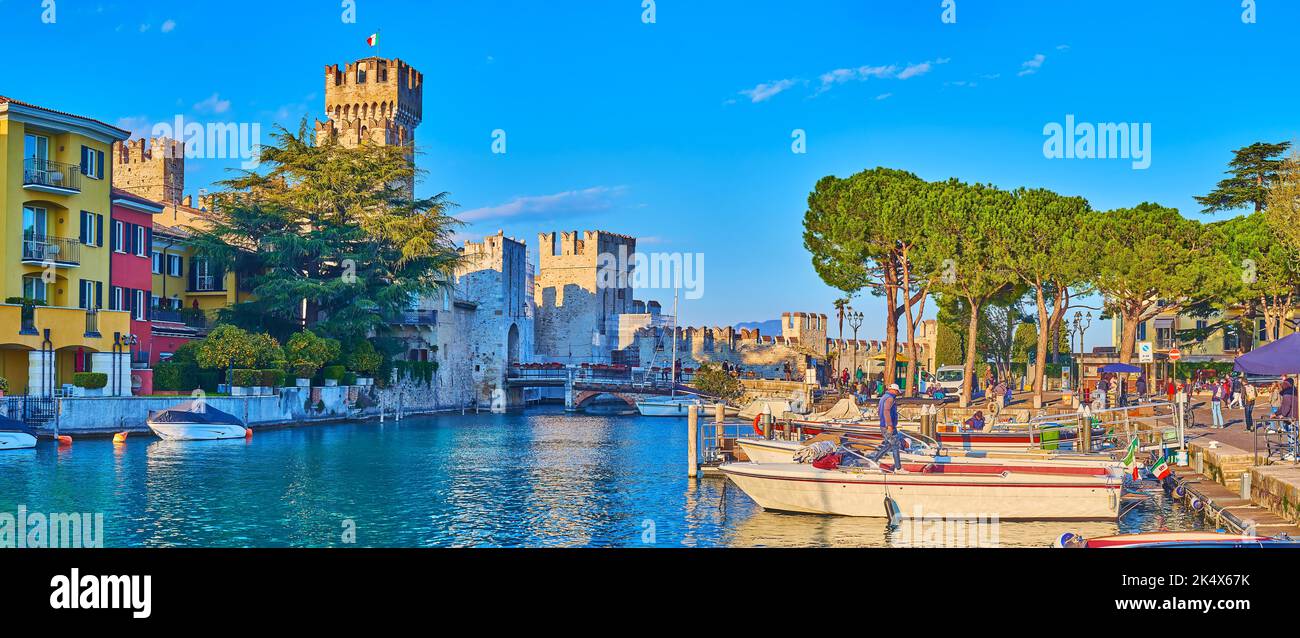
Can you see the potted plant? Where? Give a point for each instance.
(333, 374)
(307, 353)
(365, 360)
(243, 382)
(89, 384)
(4, 386)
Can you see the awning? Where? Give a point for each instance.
(1280, 357)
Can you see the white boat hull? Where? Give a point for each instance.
(16, 441)
(797, 487)
(197, 431)
(777, 451)
(666, 408)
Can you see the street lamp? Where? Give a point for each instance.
(855, 322)
(1080, 326)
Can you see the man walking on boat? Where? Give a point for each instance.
(890, 438)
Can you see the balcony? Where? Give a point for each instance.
(46, 249)
(51, 177)
(191, 317)
(416, 318)
(207, 283)
(92, 323)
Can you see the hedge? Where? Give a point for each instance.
(176, 375)
(90, 380)
(245, 378)
(334, 373)
(273, 378)
(349, 378)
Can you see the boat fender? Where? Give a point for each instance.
(248, 433)
(758, 426)
(1067, 540)
(64, 440)
(1197, 505)
(120, 437)
(891, 510)
(1180, 490)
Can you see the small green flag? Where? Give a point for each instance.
(1131, 457)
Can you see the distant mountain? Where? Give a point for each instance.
(769, 328)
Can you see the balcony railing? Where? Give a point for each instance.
(191, 317)
(92, 323)
(47, 248)
(417, 318)
(207, 283)
(51, 175)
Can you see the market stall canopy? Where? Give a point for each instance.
(1277, 358)
(1121, 367)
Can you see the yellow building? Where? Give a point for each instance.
(181, 279)
(1224, 343)
(55, 203)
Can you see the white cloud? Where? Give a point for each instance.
(884, 96)
(767, 90)
(1031, 66)
(576, 202)
(138, 125)
(168, 26)
(1062, 47)
(213, 104)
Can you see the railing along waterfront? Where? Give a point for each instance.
(51, 174)
(1156, 425)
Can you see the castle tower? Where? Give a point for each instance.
(584, 283)
(373, 99)
(155, 171)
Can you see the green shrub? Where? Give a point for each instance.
(24, 301)
(229, 344)
(306, 353)
(363, 358)
(417, 370)
(209, 380)
(188, 352)
(4, 384)
(349, 378)
(175, 375)
(90, 380)
(245, 377)
(333, 373)
(273, 378)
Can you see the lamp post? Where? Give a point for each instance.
(855, 322)
(1080, 326)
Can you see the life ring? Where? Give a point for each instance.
(758, 429)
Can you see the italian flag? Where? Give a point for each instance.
(373, 39)
(1130, 459)
(1162, 469)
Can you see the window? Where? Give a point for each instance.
(34, 222)
(115, 298)
(34, 287)
(1142, 331)
(92, 163)
(138, 309)
(119, 244)
(139, 241)
(157, 263)
(174, 265)
(1231, 338)
(36, 147)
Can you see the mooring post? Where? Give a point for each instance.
(1245, 485)
(692, 440)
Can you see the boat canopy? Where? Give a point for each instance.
(193, 412)
(10, 425)
(844, 409)
(775, 407)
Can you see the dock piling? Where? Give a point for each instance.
(692, 440)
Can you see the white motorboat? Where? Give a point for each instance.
(777, 451)
(674, 406)
(940, 490)
(195, 421)
(15, 435)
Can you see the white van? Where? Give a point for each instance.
(949, 378)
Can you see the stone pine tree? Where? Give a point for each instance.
(1044, 250)
(1251, 171)
(330, 228)
(1282, 217)
(1268, 273)
(848, 230)
(1152, 260)
(968, 230)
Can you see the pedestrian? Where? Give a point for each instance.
(1102, 390)
(1180, 400)
(1142, 387)
(844, 379)
(1249, 395)
(1216, 406)
(859, 375)
(1274, 399)
(1235, 385)
(1287, 408)
(891, 440)
(1171, 389)
(976, 421)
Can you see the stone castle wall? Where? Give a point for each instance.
(153, 169)
(577, 304)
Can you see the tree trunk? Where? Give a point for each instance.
(891, 326)
(1128, 336)
(968, 366)
(1040, 348)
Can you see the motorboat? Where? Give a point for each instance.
(1175, 539)
(934, 490)
(195, 421)
(993, 439)
(669, 406)
(15, 435)
(760, 450)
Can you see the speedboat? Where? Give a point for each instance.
(917, 456)
(15, 435)
(195, 421)
(939, 489)
(1175, 539)
(669, 406)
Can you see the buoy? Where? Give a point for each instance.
(64, 440)
(120, 437)
(248, 433)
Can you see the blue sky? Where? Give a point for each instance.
(679, 132)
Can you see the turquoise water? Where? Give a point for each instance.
(540, 478)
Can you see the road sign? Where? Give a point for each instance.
(1175, 355)
(1146, 353)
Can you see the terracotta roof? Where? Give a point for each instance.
(121, 194)
(9, 100)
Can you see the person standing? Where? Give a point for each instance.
(1180, 400)
(1216, 406)
(1141, 387)
(1171, 389)
(1235, 385)
(1102, 392)
(1249, 394)
(890, 441)
(1287, 407)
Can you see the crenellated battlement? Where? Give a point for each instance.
(374, 99)
(152, 168)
